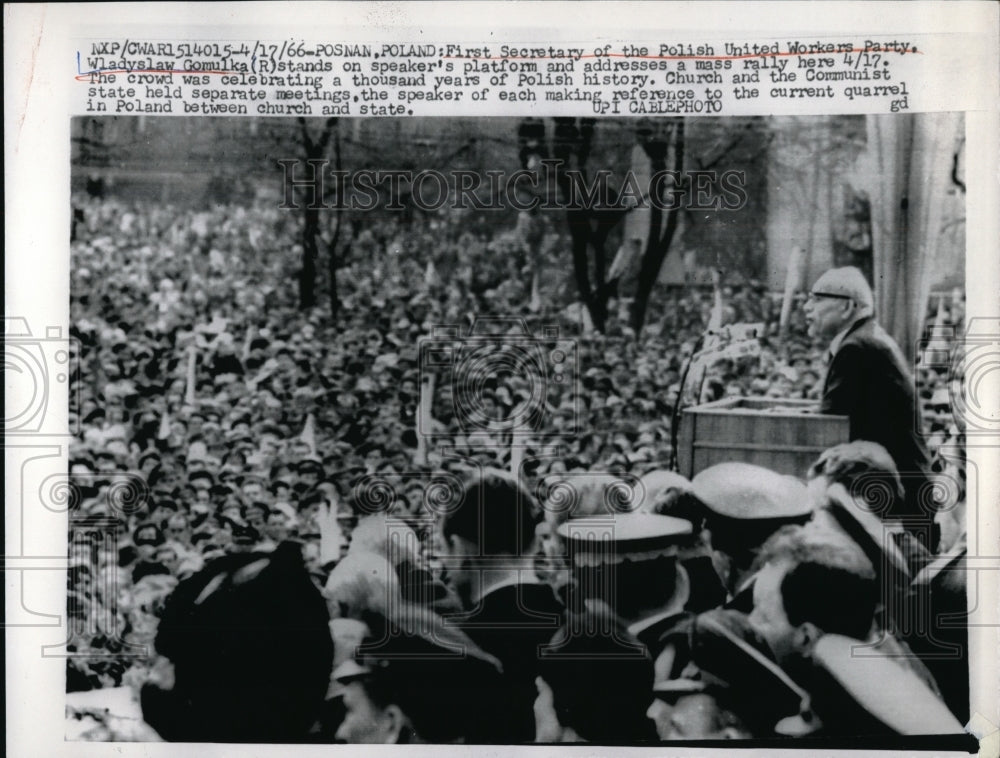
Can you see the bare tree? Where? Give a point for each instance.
(593, 210)
(665, 148)
(315, 150)
(333, 254)
(589, 223)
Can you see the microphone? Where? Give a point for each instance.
(733, 341)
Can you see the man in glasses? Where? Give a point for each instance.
(867, 380)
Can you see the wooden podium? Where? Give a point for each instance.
(783, 435)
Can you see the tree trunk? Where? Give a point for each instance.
(332, 256)
(307, 276)
(581, 234)
(658, 245)
(314, 150)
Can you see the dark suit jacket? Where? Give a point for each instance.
(512, 622)
(868, 381)
(941, 589)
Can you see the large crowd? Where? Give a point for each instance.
(292, 471)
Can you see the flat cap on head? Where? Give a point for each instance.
(309, 466)
(441, 680)
(865, 468)
(727, 652)
(866, 529)
(847, 282)
(626, 536)
(745, 492)
(147, 534)
(859, 689)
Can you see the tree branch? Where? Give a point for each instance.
(306, 139)
(324, 138)
(725, 151)
(954, 172)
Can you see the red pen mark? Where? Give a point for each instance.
(91, 76)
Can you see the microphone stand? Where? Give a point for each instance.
(726, 339)
(676, 411)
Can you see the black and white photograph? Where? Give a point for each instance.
(466, 378)
(506, 431)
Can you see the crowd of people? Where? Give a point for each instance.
(392, 526)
